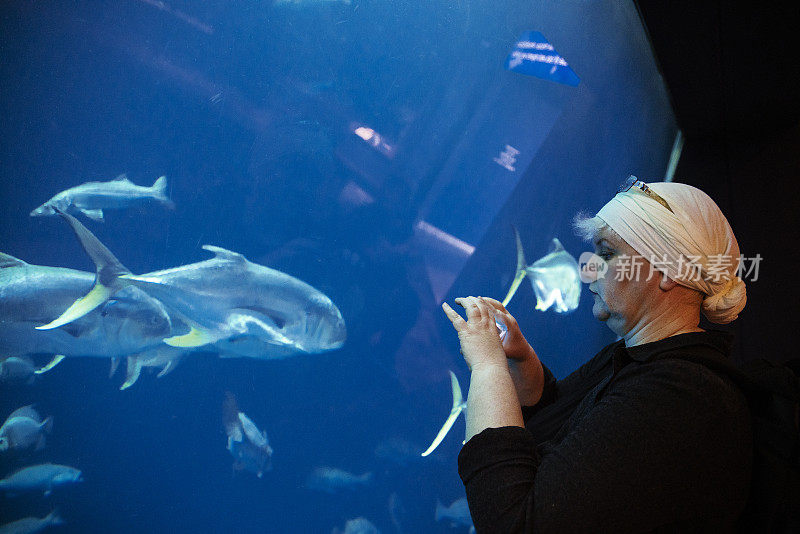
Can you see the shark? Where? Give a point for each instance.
(223, 298)
(555, 278)
(91, 198)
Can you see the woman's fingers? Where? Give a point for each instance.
(472, 307)
(454, 317)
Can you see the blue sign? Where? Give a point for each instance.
(534, 56)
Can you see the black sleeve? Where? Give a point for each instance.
(659, 447)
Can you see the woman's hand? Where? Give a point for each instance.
(515, 345)
(478, 335)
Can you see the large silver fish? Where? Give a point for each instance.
(24, 429)
(222, 298)
(555, 278)
(92, 198)
(31, 525)
(42, 477)
(128, 323)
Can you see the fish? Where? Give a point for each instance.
(163, 356)
(358, 525)
(247, 444)
(42, 477)
(128, 322)
(24, 429)
(334, 480)
(555, 278)
(16, 369)
(457, 513)
(32, 525)
(224, 297)
(459, 405)
(91, 198)
(308, 3)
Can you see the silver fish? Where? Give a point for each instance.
(334, 480)
(42, 477)
(92, 198)
(457, 512)
(459, 405)
(359, 525)
(555, 278)
(16, 369)
(221, 298)
(24, 429)
(247, 444)
(128, 323)
(31, 525)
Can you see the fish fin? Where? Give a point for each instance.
(458, 407)
(224, 254)
(107, 282)
(97, 296)
(195, 338)
(52, 363)
(95, 215)
(7, 260)
(166, 369)
(134, 370)
(121, 178)
(521, 272)
(47, 425)
(114, 365)
(556, 246)
(26, 411)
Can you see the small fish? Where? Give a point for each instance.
(164, 357)
(457, 513)
(18, 370)
(31, 525)
(247, 444)
(42, 477)
(92, 198)
(334, 480)
(359, 525)
(555, 278)
(459, 405)
(24, 429)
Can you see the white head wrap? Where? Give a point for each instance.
(694, 246)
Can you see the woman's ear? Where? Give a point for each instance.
(666, 283)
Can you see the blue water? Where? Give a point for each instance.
(251, 109)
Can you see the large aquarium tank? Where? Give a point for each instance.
(227, 229)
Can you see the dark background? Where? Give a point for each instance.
(733, 72)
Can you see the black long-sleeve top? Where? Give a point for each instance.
(635, 440)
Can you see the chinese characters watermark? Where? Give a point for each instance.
(690, 268)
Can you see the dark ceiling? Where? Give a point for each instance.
(732, 68)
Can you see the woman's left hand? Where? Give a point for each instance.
(478, 335)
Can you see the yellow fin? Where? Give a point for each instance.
(94, 298)
(195, 338)
(55, 361)
(458, 406)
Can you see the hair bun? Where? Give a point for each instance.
(725, 304)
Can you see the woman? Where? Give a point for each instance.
(637, 439)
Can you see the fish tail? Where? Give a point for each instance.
(521, 270)
(458, 407)
(159, 188)
(107, 281)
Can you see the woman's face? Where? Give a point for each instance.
(621, 296)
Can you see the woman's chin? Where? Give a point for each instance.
(599, 311)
